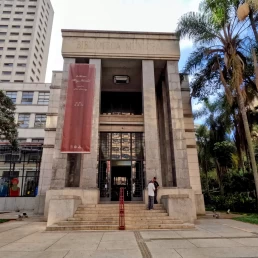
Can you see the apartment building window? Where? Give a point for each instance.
(2, 40)
(8, 64)
(26, 41)
(3, 26)
(17, 19)
(16, 26)
(12, 95)
(40, 120)
(14, 33)
(43, 98)
(9, 57)
(3, 33)
(20, 6)
(6, 72)
(5, 80)
(21, 65)
(24, 120)
(33, 71)
(30, 20)
(20, 73)
(24, 49)
(8, 5)
(30, 13)
(13, 41)
(18, 80)
(28, 27)
(5, 19)
(1, 48)
(18, 12)
(6, 12)
(11, 48)
(31, 79)
(37, 78)
(27, 97)
(26, 34)
(32, 6)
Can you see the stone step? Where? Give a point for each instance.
(99, 222)
(82, 227)
(102, 209)
(154, 215)
(117, 211)
(116, 205)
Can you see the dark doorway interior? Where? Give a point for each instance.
(120, 177)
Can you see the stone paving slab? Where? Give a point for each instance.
(212, 238)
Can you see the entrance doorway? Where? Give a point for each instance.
(121, 164)
(120, 177)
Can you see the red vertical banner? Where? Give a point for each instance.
(79, 109)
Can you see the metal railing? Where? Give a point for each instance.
(121, 210)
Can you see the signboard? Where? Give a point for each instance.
(78, 110)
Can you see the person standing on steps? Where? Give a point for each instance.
(156, 184)
(151, 190)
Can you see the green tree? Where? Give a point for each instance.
(8, 127)
(219, 46)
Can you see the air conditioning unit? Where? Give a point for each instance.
(121, 79)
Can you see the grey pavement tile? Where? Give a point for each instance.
(236, 234)
(169, 244)
(26, 247)
(159, 234)
(214, 242)
(73, 245)
(197, 234)
(2, 244)
(117, 254)
(167, 253)
(247, 241)
(46, 254)
(219, 252)
(118, 245)
(118, 236)
(11, 254)
(42, 237)
(79, 254)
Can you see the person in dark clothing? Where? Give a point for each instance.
(156, 184)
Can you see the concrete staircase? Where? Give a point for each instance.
(106, 217)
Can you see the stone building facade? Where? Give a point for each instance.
(142, 123)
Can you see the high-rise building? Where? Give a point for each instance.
(25, 32)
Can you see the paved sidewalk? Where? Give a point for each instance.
(211, 238)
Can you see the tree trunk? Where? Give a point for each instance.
(248, 137)
(255, 68)
(207, 178)
(219, 174)
(253, 25)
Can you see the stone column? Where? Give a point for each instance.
(177, 129)
(60, 159)
(90, 161)
(35, 98)
(152, 147)
(170, 176)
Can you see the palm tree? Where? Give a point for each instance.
(220, 50)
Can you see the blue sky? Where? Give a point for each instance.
(130, 15)
(125, 15)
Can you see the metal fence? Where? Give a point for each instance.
(19, 170)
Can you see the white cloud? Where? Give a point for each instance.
(127, 15)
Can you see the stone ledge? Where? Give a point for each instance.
(65, 197)
(185, 89)
(52, 114)
(50, 129)
(50, 146)
(174, 196)
(55, 87)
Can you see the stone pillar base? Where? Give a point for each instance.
(175, 192)
(179, 207)
(199, 203)
(62, 207)
(39, 204)
(88, 196)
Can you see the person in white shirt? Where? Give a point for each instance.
(151, 193)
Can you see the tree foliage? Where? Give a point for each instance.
(8, 127)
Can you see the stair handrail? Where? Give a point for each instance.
(121, 210)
